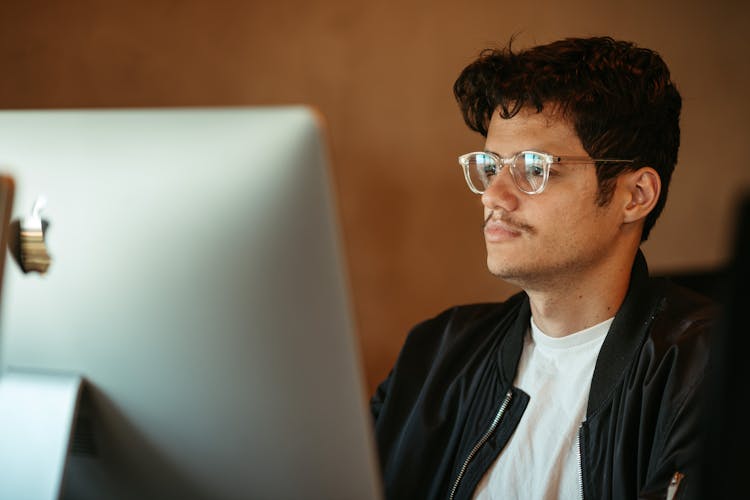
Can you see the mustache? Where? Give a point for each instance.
(509, 221)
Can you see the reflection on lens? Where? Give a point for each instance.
(530, 174)
(482, 168)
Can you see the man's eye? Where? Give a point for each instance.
(535, 171)
(489, 170)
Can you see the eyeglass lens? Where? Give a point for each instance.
(528, 170)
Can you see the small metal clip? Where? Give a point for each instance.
(34, 255)
(674, 484)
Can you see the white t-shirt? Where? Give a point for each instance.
(540, 460)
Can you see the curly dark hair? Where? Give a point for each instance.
(618, 97)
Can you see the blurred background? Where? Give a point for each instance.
(382, 73)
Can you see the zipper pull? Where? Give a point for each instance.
(674, 484)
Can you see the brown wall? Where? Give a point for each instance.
(381, 72)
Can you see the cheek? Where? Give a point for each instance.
(568, 224)
(564, 228)
(592, 227)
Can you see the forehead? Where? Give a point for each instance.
(546, 131)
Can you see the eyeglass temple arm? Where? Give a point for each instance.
(563, 159)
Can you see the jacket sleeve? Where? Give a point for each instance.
(678, 447)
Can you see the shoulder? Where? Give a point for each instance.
(660, 336)
(457, 338)
(680, 340)
(681, 313)
(462, 323)
(443, 350)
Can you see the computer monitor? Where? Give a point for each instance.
(197, 284)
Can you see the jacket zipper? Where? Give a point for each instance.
(580, 463)
(481, 442)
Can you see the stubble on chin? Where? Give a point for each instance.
(531, 277)
(501, 268)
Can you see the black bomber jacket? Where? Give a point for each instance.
(449, 406)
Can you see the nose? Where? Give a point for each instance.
(502, 192)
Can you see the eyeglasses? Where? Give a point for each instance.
(530, 169)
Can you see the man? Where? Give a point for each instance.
(586, 384)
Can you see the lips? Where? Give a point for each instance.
(497, 229)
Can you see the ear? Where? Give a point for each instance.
(642, 188)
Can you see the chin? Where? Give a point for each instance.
(502, 268)
(516, 271)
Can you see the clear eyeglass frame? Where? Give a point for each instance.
(530, 170)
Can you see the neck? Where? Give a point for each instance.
(573, 303)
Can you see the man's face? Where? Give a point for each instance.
(559, 234)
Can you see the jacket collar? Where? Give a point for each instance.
(512, 344)
(625, 336)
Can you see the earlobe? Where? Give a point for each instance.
(643, 187)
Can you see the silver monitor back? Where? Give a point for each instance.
(198, 285)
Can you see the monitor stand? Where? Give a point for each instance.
(37, 414)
